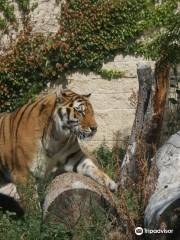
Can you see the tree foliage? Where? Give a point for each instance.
(162, 29)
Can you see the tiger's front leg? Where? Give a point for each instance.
(88, 168)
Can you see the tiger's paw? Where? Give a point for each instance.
(112, 186)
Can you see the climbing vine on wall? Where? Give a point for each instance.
(8, 17)
(91, 32)
(24, 5)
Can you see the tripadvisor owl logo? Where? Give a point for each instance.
(139, 231)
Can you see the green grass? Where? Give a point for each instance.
(32, 227)
(109, 159)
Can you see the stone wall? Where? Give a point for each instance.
(44, 18)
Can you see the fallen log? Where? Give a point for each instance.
(163, 209)
(71, 196)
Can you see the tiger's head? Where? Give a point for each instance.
(74, 114)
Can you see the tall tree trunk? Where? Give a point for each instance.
(145, 134)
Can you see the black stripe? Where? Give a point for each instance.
(6, 166)
(12, 163)
(76, 165)
(68, 112)
(20, 118)
(14, 156)
(4, 170)
(60, 113)
(11, 124)
(16, 113)
(70, 94)
(24, 158)
(2, 130)
(76, 98)
(71, 156)
(12, 120)
(33, 106)
(48, 123)
(1, 165)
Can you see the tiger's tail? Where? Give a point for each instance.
(8, 203)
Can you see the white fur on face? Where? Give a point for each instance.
(76, 104)
(79, 106)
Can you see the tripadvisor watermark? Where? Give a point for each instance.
(139, 231)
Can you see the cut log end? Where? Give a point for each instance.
(71, 196)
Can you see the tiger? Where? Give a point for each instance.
(44, 134)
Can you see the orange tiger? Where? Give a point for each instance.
(41, 135)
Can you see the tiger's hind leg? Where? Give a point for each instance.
(27, 190)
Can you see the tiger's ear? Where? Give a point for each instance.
(58, 91)
(87, 95)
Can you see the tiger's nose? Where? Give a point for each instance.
(93, 129)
